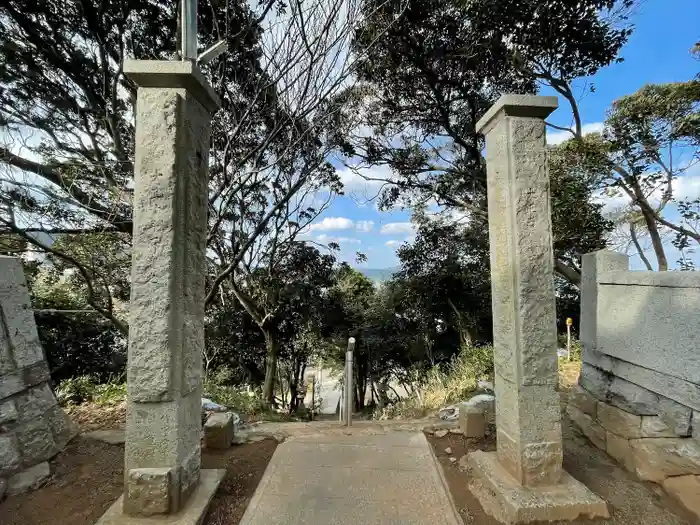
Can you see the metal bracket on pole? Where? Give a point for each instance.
(349, 397)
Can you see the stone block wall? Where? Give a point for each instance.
(639, 390)
(33, 428)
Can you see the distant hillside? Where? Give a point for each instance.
(379, 274)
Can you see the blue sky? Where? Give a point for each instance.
(657, 52)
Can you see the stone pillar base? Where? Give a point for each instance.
(502, 497)
(192, 514)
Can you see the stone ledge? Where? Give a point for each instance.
(193, 514)
(505, 499)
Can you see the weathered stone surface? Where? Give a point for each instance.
(654, 427)
(10, 384)
(148, 491)
(218, 430)
(472, 422)
(619, 448)
(656, 459)
(504, 498)
(34, 402)
(648, 318)
(10, 458)
(61, 425)
(3, 487)
(166, 332)
(28, 479)
(595, 381)
(8, 411)
(441, 433)
(680, 390)
(36, 442)
(35, 374)
(619, 422)
(589, 427)
(685, 490)
(592, 264)
(676, 416)
(18, 316)
(632, 398)
(193, 514)
(585, 402)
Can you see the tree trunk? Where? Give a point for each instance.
(272, 345)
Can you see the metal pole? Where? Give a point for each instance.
(568, 342)
(189, 29)
(349, 397)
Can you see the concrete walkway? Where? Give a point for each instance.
(357, 479)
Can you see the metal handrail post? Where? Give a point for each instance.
(349, 397)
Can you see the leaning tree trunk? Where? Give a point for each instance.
(272, 345)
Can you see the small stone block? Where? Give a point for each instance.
(584, 401)
(148, 491)
(619, 422)
(656, 459)
(620, 449)
(685, 490)
(218, 430)
(588, 426)
(28, 479)
(502, 497)
(192, 513)
(472, 423)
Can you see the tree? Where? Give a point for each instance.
(651, 138)
(68, 132)
(285, 288)
(449, 62)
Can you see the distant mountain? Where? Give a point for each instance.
(379, 274)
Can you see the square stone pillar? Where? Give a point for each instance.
(166, 327)
(591, 265)
(528, 415)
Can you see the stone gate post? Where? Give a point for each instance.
(524, 481)
(166, 332)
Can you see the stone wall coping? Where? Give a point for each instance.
(173, 74)
(645, 278)
(516, 106)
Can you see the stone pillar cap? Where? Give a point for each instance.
(173, 74)
(517, 106)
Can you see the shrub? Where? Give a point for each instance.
(82, 389)
(443, 386)
(219, 388)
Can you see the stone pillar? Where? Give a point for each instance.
(592, 264)
(166, 328)
(528, 415)
(33, 428)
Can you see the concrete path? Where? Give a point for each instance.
(365, 479)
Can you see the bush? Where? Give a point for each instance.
(83, 389)
(440, 387)
(219, 388)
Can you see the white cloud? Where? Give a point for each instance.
(332, 224)
(394, 228)
(364, 226)
(393, 242)
(557, 137)
(354, 180)
(325, 239)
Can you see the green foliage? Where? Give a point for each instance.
(84, 389)
(441, 386)
(81, 343)
(219, 388)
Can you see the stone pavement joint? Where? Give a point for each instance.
(384, 479)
